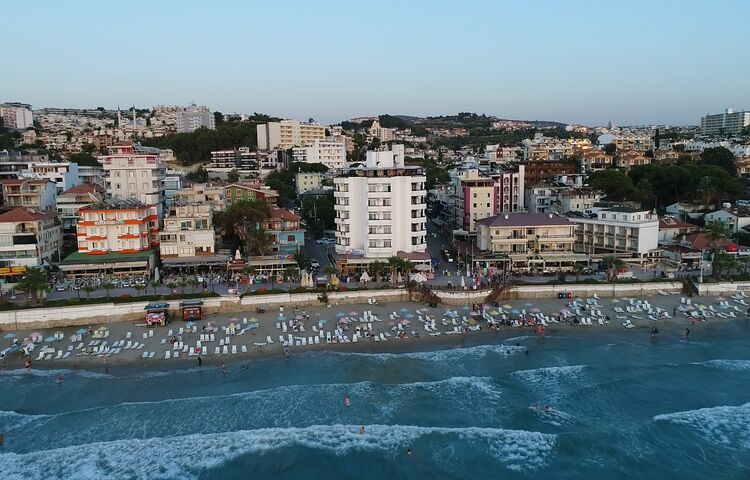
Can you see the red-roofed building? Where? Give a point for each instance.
(671, 227)
(28, 238)
(117, 226)
(288, 234)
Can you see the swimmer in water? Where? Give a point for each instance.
(59, 378)
(347, 401)
(223, 368)
(538, 407)
(546, 409)
(408, 451)
(362, 430)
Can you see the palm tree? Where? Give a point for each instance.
(716, 231)
(330, 270)
(182, 284)
(290, 273)
(33, 282)
(108, 286)
(578, 270)
(138, 288)
(706, 190)
(155, 285)
(193, 283)
(377, 268)
(88, 289)
(394, 264)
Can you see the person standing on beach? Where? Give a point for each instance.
(200, 361)
(223, 368)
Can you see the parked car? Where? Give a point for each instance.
(314, 263)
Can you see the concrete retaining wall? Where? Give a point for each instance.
(708, 289)
(110, 312)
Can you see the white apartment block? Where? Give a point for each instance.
(381, 207)
(16, 115)
(737, 149)
(287, 134)
(623, 231)
(91, 175)
(553, 149)
(332, 154)
(194, 117)
(510, 186)
(134, 175)
(29, 238)
(725, 124)
(207, 193)
(34, 193)
(188, 232)
(639, 142)
(65, 174)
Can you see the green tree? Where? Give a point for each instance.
(615, 184)
(716, 232)
(610, 149)
(242, 219)
(199, 175)
(139, 289)
(33, 283)
(377, 269)
(723, 263)
(290, 273)
(233, 176)
(303, 261)
(706, 191)
(721, 157)
(108, 286)
(218, 119)
(612, 265)
(259, 242)
(85, 159)
(578, 270)
(155, 285)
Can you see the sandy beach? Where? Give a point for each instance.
(372, 328)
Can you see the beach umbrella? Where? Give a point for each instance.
(10, 335)
(352, 313)
(466, 307)
(535, 310)
(515, 311)
(36, 334)
(404, 310)
(253, 326)
(365, 277)
(405, 322)
(527, 305)
(409, 315)
(720, 298)
(340, 314)
(102, 329)
(507, 306)
(81, 331)
(299, 317)
(391, 323)
(494, 312)
(73, 338)
(463, 282)
(614, 300)
(472, 321)
(51, 338)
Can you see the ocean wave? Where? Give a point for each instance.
(446, 355)
(725, 364)
(33, 372)
(725, 425)
(550, 382)
(286, 406)
(190, 455)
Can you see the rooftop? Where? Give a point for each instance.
(23, 214)
(78, 258)
(673, 222)
(523, 220)
(82, 188)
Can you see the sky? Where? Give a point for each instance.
(632, 62)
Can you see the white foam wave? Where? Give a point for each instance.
(725, 364)
(286, 406)
(446, 355)
(188, 456)
(725, 425)
(550, 382)
(33, 372)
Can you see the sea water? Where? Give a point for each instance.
(621, 405)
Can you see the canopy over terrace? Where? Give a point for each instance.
(118, 264)
(357, 264)
(547, 261)
(201, 263)
(269, 265)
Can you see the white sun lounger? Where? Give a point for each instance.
(141, 345)
(234, 349)
(151, 354)
(145, 355)
(167, 355)
(225, 350)
(145, 335)
(244, 349)
(328, 337)
(217, 350)
(269, 339)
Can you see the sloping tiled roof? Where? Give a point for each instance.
(82, 188)
(673, 222)
(23, 214)
(523, 220)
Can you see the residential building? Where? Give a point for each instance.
(553, 149)
(540, 171)
(237, 192)
(725, 124)
(576, 199)
(509, 189)
(671, 227)
(734, 216)
(381, 133)
(246, 162)
(64, 174)
(28, 238)
(308, 181)
(560, 199)
(29, 192)
(380, 211)
(16, 115)
(72, 200)
(330, 153)
(687, 210)
(188, 232)
(173, 182)
(630, 159)
(134, 175)
(528, 242)
(593, 160)
(194, 117)
(208, 193)
(91, 175)
(541, 198)
(625, 231)
(287, 134)
(477, 199)
(286, 229)
(117, 226)
(633, 141)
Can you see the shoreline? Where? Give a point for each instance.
(132, 362)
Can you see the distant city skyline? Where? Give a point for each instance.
(635, 63)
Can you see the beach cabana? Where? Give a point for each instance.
(156, 313)
(191, 310)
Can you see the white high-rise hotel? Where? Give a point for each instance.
(381, 207)
(135, 172)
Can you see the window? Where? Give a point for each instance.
(387, 243)
(291, 238)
